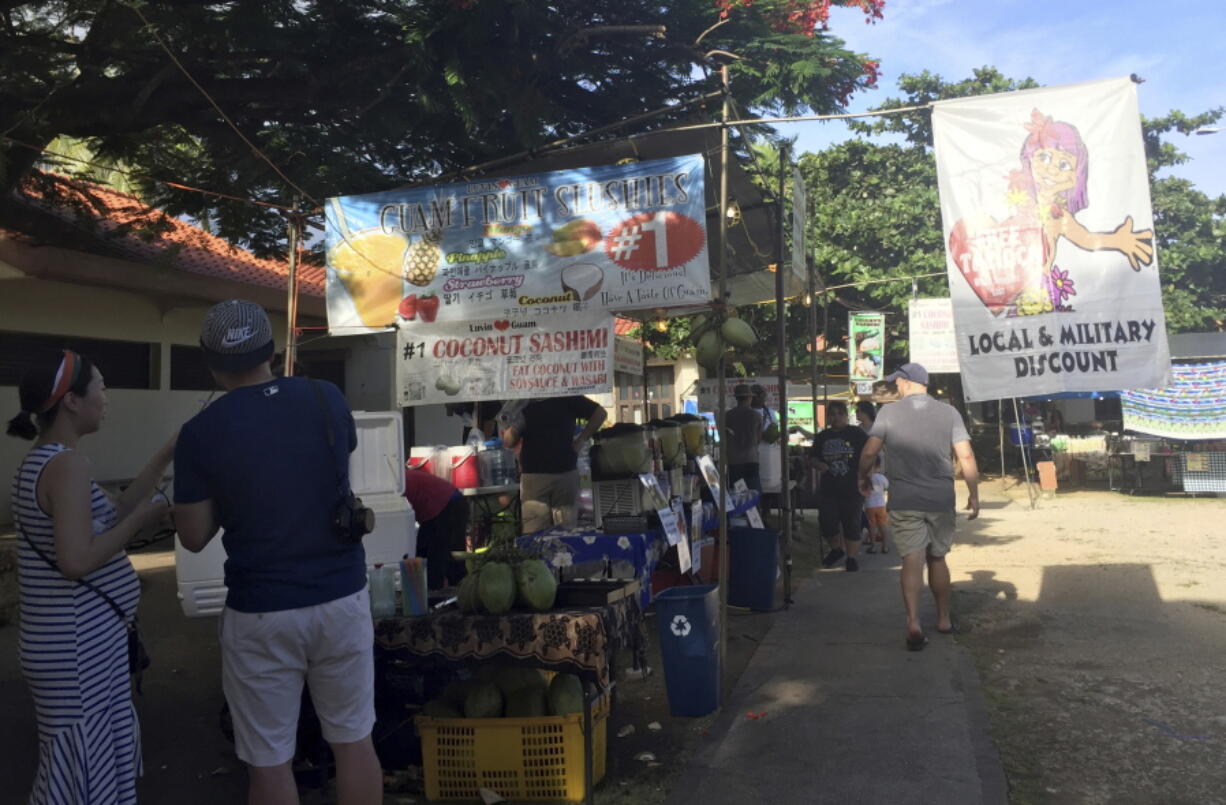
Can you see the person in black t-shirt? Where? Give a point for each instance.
(836, 452)
(549, 449)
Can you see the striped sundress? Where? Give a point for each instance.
(74, 657)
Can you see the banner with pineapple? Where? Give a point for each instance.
(504, 359)
(616, 237)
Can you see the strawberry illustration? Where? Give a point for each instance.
(427, 306)
(408, 307)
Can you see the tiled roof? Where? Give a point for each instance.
(144, 234)
(623, 326)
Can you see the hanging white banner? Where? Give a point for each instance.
(930, 330)
(1050, 248)
(708, 391)
(503, 359)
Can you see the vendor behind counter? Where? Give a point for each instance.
(442, 518)
(549, 480)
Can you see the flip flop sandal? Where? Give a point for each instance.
(916, 643)
(953, 629)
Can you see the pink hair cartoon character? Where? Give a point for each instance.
(1051, 186)
(1011, 264)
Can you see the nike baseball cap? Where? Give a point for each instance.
(236, 336)
(911, 371)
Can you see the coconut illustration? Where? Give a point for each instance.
(582, 279)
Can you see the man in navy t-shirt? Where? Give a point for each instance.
(260, 464)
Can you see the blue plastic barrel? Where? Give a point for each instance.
(753, 567)
(688, 620)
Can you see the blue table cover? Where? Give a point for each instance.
(582, 553)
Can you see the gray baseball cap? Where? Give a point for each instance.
(236, 336)
(911, 371)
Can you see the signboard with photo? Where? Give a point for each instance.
(503, 359)
(616, 237)
(866, 346)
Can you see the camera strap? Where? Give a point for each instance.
(342, 485)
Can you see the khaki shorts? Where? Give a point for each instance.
(548, 499)
(932, 532)
(266, 656)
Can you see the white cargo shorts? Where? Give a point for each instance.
(266, 657)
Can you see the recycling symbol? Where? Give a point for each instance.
(681, 626)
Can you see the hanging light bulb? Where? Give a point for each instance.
(662, 325)
(733, 213)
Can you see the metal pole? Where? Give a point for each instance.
(1000, 421)
(1017, 420)
(825, 350)
(720, 375)
(291, 305)
(812, 276)
(646, 387)
(785, 491)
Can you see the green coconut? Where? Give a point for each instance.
(484, 701)
(468, 595)
(496, 587)
(536, 585)
(710, 349)
(527, 703)
(565, 695)
(455, 693)
(738, 333)
(510, 680)
(437, 708)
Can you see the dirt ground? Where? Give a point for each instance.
(1097, 620)
(1098, 623)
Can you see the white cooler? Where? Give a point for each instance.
(376, 473)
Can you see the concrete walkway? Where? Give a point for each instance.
(850, 715)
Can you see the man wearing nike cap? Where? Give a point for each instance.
(266, 463)
(919, 432)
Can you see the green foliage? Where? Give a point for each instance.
(372, 94)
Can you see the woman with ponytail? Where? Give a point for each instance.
(78, 590)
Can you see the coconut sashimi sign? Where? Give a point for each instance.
(1050, 241)
(617, 237)
(504, 359)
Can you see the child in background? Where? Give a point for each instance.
(874, 508)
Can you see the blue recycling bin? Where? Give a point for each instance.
(753, 567)
(688, 620)
(1021, 435)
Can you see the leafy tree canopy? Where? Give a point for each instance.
(369, 94)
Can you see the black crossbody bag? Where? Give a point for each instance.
(138, 658)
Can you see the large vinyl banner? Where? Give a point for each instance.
(618, 237)
(504, 359)
(1050, 241)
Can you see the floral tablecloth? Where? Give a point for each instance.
(582, 640)
(584, 553)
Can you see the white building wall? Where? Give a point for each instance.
(138, 421)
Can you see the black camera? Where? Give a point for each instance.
(352, 520)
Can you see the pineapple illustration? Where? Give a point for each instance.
(421, 259)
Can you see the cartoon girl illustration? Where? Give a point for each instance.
(1051, 187)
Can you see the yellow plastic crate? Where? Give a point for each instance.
(520, 758)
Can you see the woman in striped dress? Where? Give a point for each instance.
(73, 644)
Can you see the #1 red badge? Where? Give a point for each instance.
(655, 241)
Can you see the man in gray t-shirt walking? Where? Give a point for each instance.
(919, 432)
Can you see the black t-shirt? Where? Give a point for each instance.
(840, 451)
(549, 433)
